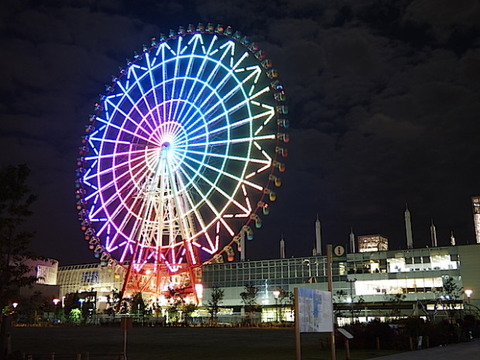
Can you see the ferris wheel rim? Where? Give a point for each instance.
(241, 178)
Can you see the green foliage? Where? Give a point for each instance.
(187, 310)
(31, 308)
(216, 297)
(15, 202)
(176, 301)
(451, 295)
(75, 316)
(249, 299)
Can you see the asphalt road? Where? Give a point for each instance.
(464, 351)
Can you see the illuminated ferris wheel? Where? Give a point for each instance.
(180, 156)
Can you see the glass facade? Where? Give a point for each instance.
(279, 272)
(372, 277)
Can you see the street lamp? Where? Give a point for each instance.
(55, 302)
(469, 293)
(351, 281)
(276, 294)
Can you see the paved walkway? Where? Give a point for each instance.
(463, 351)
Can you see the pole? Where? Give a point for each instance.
(125, 343)
(330, 288)
(297, 326)
(242, 245)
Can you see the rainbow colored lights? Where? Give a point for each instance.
(179, 153)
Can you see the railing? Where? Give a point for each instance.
(74, 356)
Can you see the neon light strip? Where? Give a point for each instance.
(231, 157)
(219, 190)
(220, 171)
(234, 141)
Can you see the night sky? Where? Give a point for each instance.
(383, 97)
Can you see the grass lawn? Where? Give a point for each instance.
(161, 343)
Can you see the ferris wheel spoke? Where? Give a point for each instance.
(123, 130)
(162, 49)
(229, 175)
(105, 203)
(105, 186)
(219, 190)
(134, 105)
(182, 89)
(206, 82)
(113, 168)
(175, 73)
(199, 75)
(215, 211)
(230, 126)
(152, 89)
(116, 154)
(229, 110)
(268, 114)
(232, 141)
(116, 238)
(235, 158)
(185, 113)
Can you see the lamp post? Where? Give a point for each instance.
(55, 303)
(469, 293)
(276, 294)
(351, 281)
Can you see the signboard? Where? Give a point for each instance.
(339, 250)
(345, 333)
(315, 310)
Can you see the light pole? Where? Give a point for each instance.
(351, 281)
(276, 294)
(55, 302)
(469, 293)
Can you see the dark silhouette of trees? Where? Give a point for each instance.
(15, 201)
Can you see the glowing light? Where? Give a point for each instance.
(182, 146)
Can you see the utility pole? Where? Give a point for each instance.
(330, 288)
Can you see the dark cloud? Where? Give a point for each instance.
(383, 98)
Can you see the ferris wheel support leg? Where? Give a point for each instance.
(124, 286)
(192, 265)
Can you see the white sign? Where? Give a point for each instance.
(315, 310)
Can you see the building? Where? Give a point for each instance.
(91, 278)
(368, 243)
(46, 273)
(476, 217)
(369, 284)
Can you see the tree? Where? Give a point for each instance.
(395, 302)
(138, 304)
(15, 201)
(249, 299)
(216, 297)
(187, 310)
(451, 295)
(176, 300)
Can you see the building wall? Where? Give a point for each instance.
(470, 271)
(417, 275)
(44, 270)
